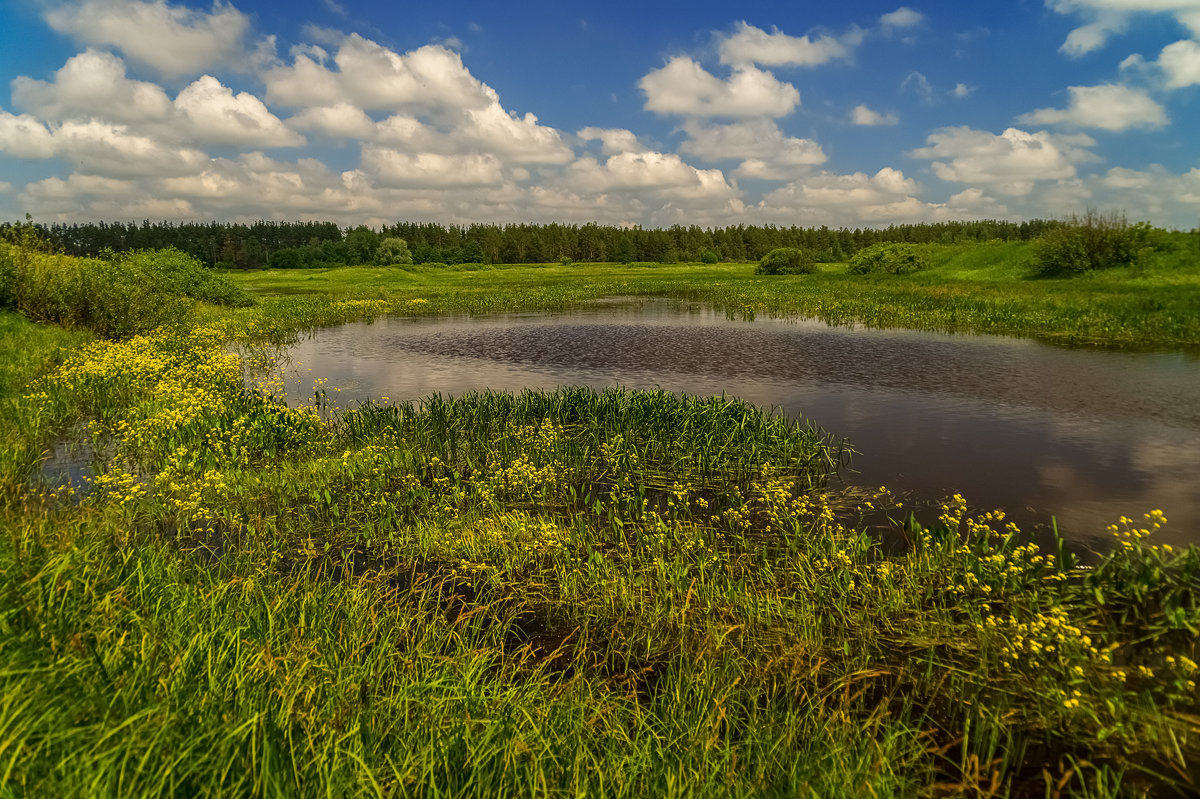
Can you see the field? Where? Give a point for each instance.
(569, 593)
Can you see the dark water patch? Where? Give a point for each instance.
(1083, 435)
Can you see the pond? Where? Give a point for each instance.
(1083, 435)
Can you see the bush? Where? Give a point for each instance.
(1094, 241)
(709, 257)
(178, 273)
(115, 297)
(787, 261)
(892, 259)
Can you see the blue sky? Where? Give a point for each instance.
(649, 113)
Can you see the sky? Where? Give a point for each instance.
(649, 113)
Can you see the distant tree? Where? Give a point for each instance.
(361, 244)
(625, 251)
(392, 251)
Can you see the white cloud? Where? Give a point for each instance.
(173, 39)
(338, 121)
(1112, 16)
(1154, 192)
(918, 84)
(25, 136)
(830, 198)
(763, 149)
(215, 115)
(902, 17)
(686, 88)
(390, 167)
(1107, 106)
(861, 115)
(373, 77)
(1180, 63)
(961, 90)
(1010, 163)
(517, 139)
(751, 45)
(662, 173)
(613, 141)
(92, 84)
(96, 147)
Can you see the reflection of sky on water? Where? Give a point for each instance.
(1008, 422)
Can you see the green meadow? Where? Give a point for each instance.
(568, 593)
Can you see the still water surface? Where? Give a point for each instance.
(1085, 436)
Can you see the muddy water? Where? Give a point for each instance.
(1083, 435)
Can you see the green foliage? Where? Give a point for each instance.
(787, 261)
(566, 260)
(178, 273)
(116, 296)
(361, 244)
(625, 251)
(709, 257)
(892, 259)
(616, 593)
(1094, 241)
(392, 251)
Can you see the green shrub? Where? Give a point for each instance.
(787, 261)
(709, 257)
(180, 274)
(896, 258)
(1094, 241)
(116, 296)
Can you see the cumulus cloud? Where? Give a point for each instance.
(441, 107)
(373, 77)
(684, 87)
(652, 171)
(391, 167)
(763, 149)
(92, 84)
(1107, 17)
(1108, 106)
(1178, 64)
(613, 141)
(1010, 163)
(173, 39)
(902, 17)
(751, 45)
(1155, 192)
(216, 115)
(828, 197)
(97, 148)
(861, 115)
(25, 136)
(338, 121)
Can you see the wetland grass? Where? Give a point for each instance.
(567, 593)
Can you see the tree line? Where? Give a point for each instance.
(300, 244)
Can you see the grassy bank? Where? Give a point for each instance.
(982, 288)
(573, 593)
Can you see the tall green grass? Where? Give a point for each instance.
(569, 593)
